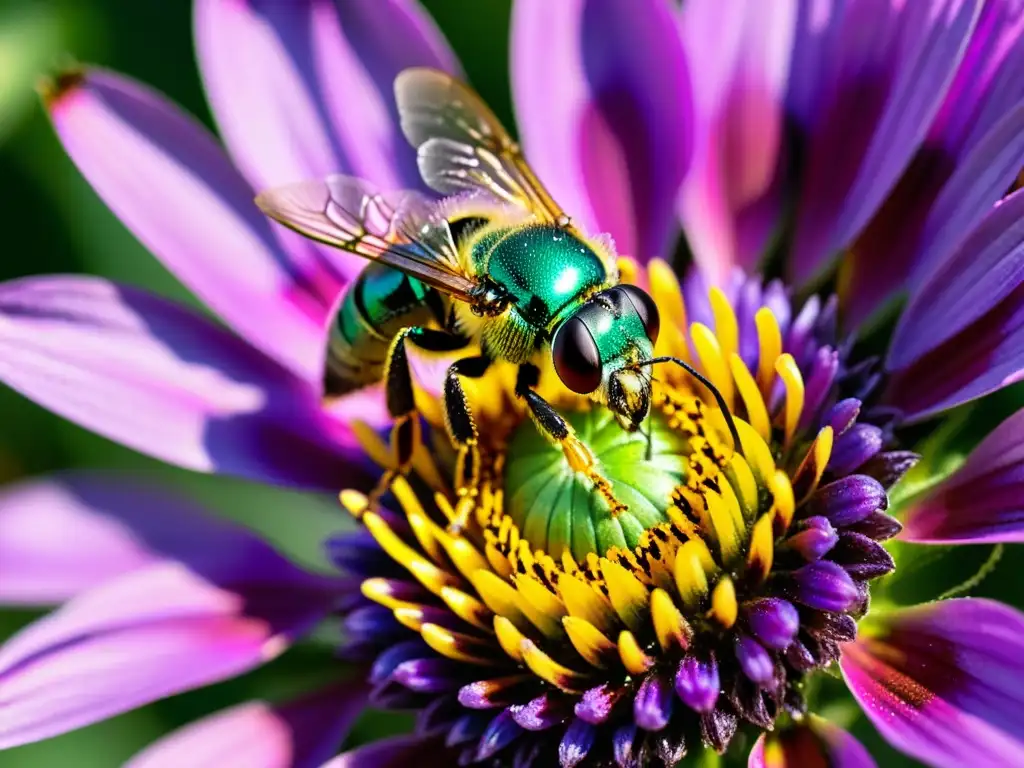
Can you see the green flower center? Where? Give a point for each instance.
(556, 508)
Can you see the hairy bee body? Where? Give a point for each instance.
(544, 271)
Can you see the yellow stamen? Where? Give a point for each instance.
(584, 602)
(372, 444)
(690, 576)
(724, 526)
(542, 608)
(744, 484)
(784, 504)
(712, 360)
(671, 629)
(769, 339)
(724, 607)
(759, 560)
(808, 474)
(589, 642)
(757, 452)
(757, 412)
(546, 668)
(509, 638)
(500, 596)
(627, 594)
(380, 591)
(354, 502)
(428, 574)
(467, 608)
(788, 370)
(456, 645)
(668, 296)
(633, 658)
(726, 328)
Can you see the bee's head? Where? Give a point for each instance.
(596, 350)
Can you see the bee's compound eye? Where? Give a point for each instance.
(645, 308)
(576, 357)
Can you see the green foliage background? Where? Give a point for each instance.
(51, 221)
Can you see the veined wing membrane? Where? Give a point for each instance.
(462, 146)
(398, 229)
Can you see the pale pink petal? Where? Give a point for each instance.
(141, 637)
(302, 89)
(171, 184)
(739, 53)
(602, 95)
(168, 382)
(298, 734)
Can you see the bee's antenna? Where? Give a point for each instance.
(737, 445)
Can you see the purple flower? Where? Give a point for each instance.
(866, 146)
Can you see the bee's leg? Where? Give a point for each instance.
(557, 429)
(463, 432)
(400, 397)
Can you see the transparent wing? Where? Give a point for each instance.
(462, 146)
(400, 229)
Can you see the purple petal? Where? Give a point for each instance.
(983, 501)
(972, 153)
(825, 586)
(167, 382)
(754, 660)
(395, 752)
(773, 621)
(849, 500)
(880, 79)
(303, 89)
(652, 707)
(697, 683)
(299, 734)
(121, 525)
(141, 637)
(739, 52)
(962, 335)
(854, 447)
(576, 743)
(171, 184)
(813, 538)
(813, 742)
(603, 107)
(943, 682)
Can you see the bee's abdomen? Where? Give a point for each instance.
(376, 306)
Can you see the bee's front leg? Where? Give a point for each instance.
(400, 395)
(550, 422)
(463, 432)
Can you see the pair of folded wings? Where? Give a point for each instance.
(461, 147)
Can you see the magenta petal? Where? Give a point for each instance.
(603, 106)
(813, 742)
(880, 81)
(303, 89)
(122, 524)
(945, 682)
(395, 752)
(739, 53)
(171, 184)
(143, 636)
(982, 501)
(39, 566)
(167, 382)
(299, 734)
(962, 334)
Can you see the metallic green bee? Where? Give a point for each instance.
(497, 263)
